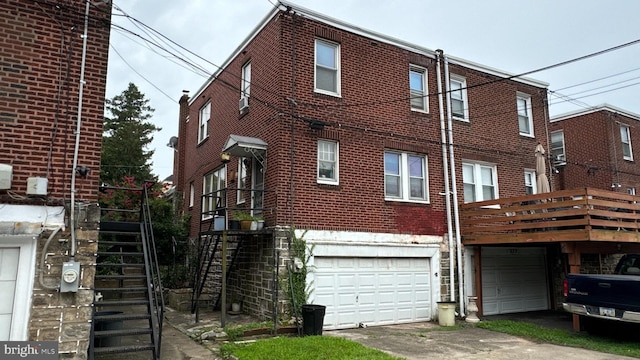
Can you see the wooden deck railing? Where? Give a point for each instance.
(568, 215)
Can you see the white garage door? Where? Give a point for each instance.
(514, 280)
(372, 291)
(8, 276)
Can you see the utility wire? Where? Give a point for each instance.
(142, 76)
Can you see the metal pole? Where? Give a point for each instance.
(223, 312)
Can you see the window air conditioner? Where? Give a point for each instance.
(244, 103)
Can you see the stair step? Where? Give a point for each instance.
(122, 277)
(119, 243)
(123, 289)
(123, 332)
(139, 265)
(122, 349)
(121, 302)
(119, 227)
(108, 253)
(121, 317)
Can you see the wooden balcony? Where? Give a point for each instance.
(581, 215)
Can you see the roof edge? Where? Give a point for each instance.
(596, 108)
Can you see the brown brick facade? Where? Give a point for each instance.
(40, 62)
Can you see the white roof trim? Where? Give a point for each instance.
(601, 107)
(308, 13)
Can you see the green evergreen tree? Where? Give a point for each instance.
(127, 135)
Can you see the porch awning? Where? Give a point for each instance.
(245, 146)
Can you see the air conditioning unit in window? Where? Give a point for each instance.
(244, 103)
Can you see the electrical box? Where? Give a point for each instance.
(37, 186)
(6, 174)
(70, 276)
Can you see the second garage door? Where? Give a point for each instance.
(514, 280)
(372, 291)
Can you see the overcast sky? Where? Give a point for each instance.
(513, 36)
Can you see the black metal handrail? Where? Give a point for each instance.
(154, 285)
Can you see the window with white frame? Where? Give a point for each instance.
(525, 116)
(418, 88)
(631, 190)
(327, 162)
(245, 86)
(480, 182)
(557, 147)
(327, 59)
(459, 106)
(212, 196)
(192, 194)
(203, 127)
(405, 177)
(242, 180)
(530, 182)
(625, 137)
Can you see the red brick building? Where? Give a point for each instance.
(41, 59)
(593, 148)
(346, 135)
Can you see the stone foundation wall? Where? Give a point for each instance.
(66, 317)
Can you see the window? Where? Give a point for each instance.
(212, 198)
(405, 177)
(418, 88)
(557, 148)
(245, 86)
(192, 194)
(242, 179)
(631, 190)
(530, 182)
(327, 77)
(625, 136)
(459, 107)
(525, 118)
(480, 182)
(203, 127)
(327, 162)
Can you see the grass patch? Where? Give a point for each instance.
(304, 348)
(563, 337)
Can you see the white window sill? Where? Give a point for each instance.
(327, 182)
(407, 201)
(325, 92)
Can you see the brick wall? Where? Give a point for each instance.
(40, 58)
(40, 61)
(371, 115)
(594, 153)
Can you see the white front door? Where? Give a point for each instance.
(372, 290)
(514, 280)
(8, 276)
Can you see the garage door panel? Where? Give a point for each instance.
(513, 280)
(373, 291)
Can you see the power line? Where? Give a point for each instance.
(142, 76)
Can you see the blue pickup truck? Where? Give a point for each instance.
(606, 297)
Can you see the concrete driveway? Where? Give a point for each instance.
(430, 341)
(416, 341)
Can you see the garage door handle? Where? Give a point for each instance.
(357, 298)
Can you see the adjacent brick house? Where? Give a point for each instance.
(41, 57)
(593, 147)
(343, 133)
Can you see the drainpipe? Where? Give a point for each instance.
(72, 219)
(445, 166)
(456, 214)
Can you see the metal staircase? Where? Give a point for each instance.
(129, 306)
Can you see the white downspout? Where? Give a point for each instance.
(445, 166)
(72, 212)
(456, 214)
